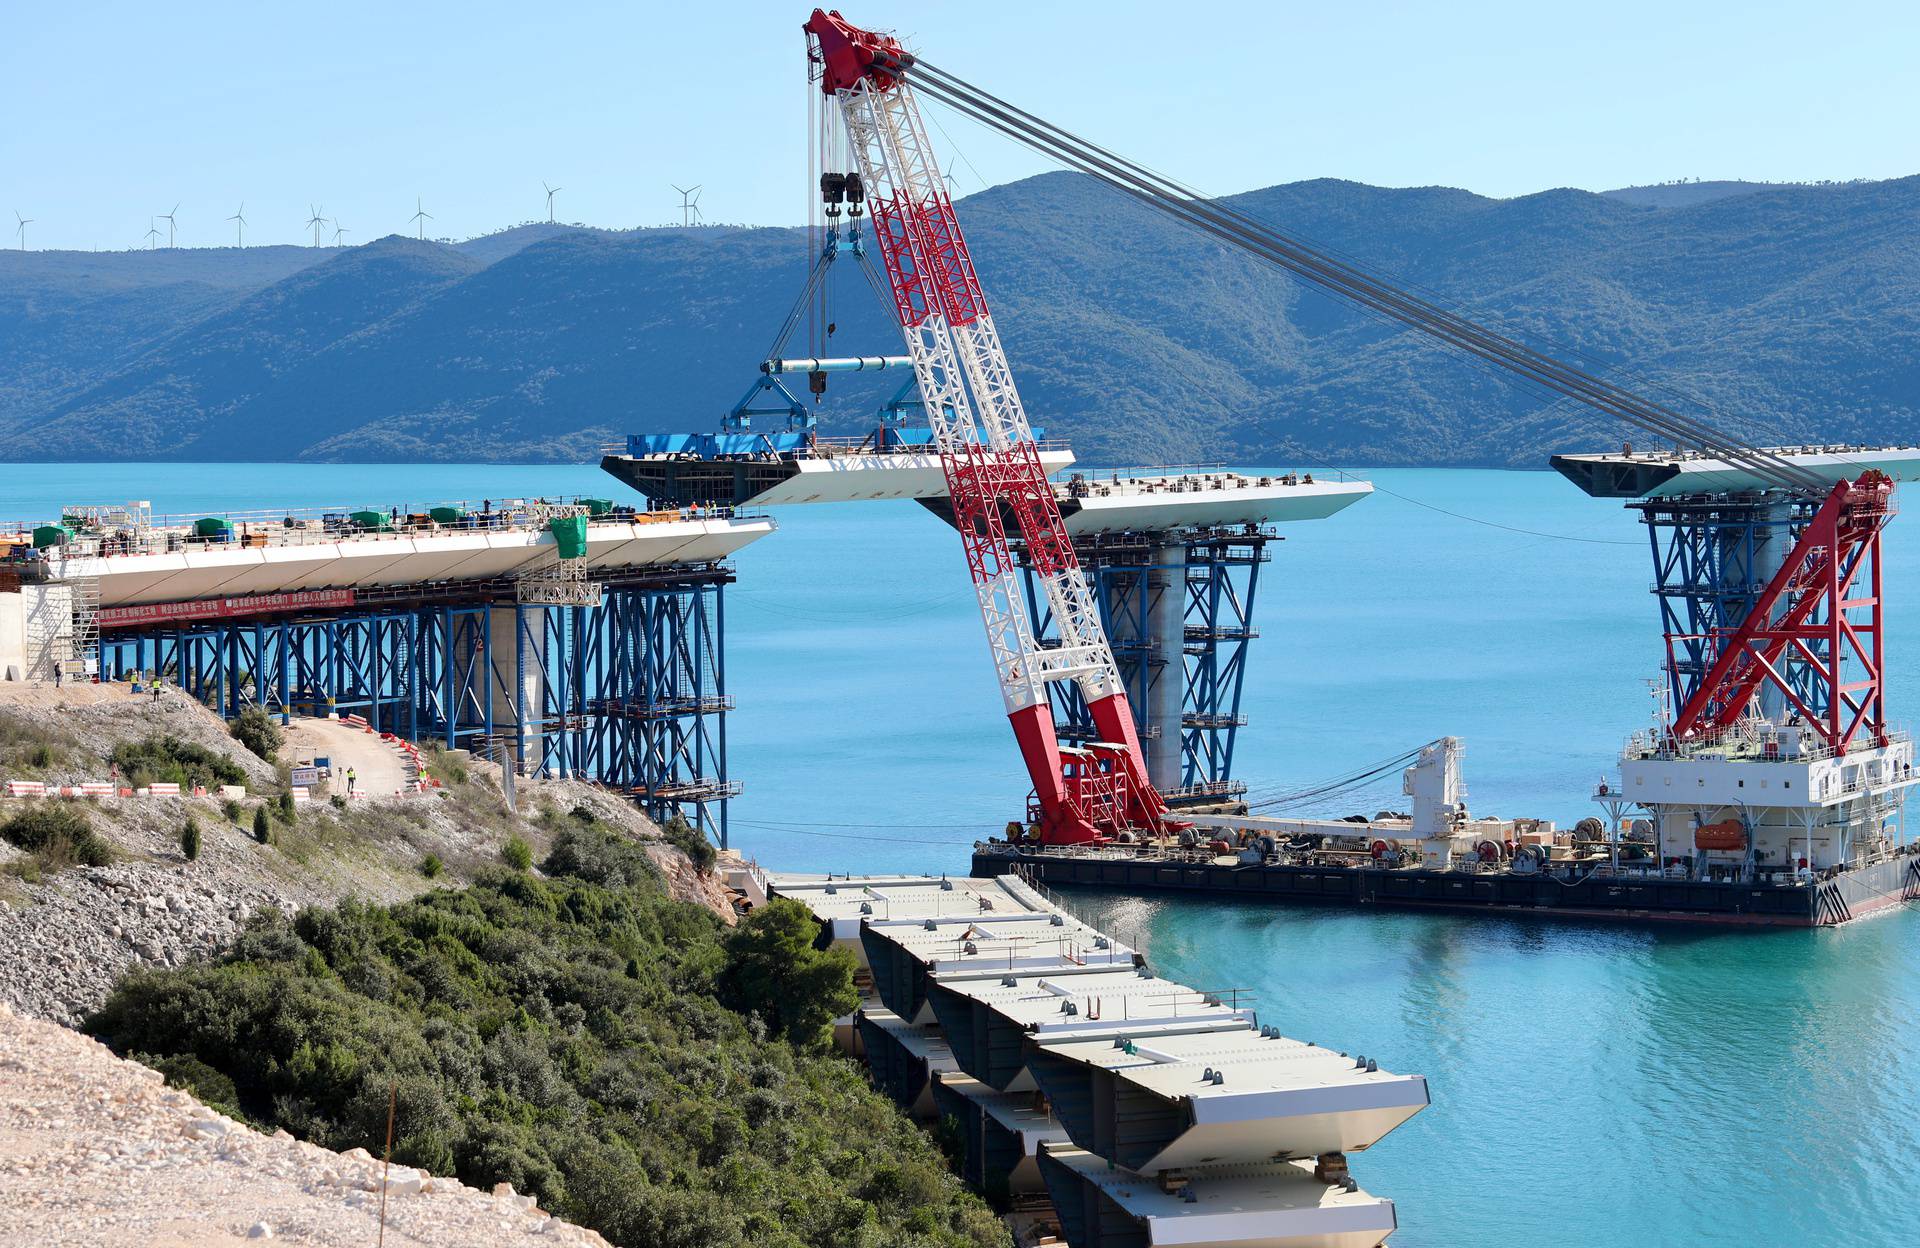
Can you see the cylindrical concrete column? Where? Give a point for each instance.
(1167, 695)
(518, 685)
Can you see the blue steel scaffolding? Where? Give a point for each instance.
(1218, 575)
(629, 692)
(1712, 556)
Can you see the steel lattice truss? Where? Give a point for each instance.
(1815, 621)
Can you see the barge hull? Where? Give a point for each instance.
(1850, 895)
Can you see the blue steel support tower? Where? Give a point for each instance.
(1713, 554)
(1178, 610)
(629, 692)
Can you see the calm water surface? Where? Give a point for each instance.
(1592, 1086)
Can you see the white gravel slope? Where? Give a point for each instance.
(97, 1151)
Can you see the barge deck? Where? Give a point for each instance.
(1592, 895)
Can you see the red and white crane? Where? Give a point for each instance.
(1807, 646)
(987, 450)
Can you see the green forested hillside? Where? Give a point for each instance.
(1788, 312)
(645, 1071)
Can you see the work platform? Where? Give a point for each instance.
(1149, 1112)
(560, 638)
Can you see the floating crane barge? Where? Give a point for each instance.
(1768, 793)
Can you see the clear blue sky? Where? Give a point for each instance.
(110, 113)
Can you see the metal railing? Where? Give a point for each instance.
(1236, 475)
(1744, 742)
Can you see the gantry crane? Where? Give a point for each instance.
(1819, 609)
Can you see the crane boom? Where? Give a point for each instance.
(987, 451)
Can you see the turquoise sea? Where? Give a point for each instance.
(1592, 1085)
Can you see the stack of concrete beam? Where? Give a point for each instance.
(1150, 1112)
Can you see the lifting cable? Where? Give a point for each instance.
(1327, 789)
(1353, 283)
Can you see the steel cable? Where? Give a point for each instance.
(1352, 283)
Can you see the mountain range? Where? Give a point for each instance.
(1784, 313)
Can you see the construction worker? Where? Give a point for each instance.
(133, 682)
(155, 687)
(351, 777)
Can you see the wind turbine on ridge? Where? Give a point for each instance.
(551, 192)
(689, 207)
(314, 222)
(420, 217)
(338, 230)
(22, 230)
(168, 218)
(152, 233)
(240, 228)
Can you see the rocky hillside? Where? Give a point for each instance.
(97, 1152)
(69, 930)
(1785, 311)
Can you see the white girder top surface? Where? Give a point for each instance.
(868, 476)
(230, 569)
(1102, 505)
(925, 1043)
(1002, 941)
(1104, 1004)
(904, 897)
(1275, 1205)
(1013, 1110)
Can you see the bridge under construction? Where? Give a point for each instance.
(574, 638)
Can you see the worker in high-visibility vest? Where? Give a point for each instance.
(351, 777)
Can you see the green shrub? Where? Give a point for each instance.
(562, 1035)
(262, 826)
(190, 839)
(57, 836)
(692, 842)
(258, 731)
(40, 756)
(230, 811)
(337, 802)
(774, 970)
(431, 866)
(168, 760)
(516, 853)
(283, 807)
(593, 854)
